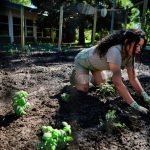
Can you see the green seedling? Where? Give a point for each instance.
(65, 97)
(53, 139)
(118, 125)
(111, 121)
(20, 103)
(106, 89)
(110, 116)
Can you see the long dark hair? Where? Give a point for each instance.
(119, 37)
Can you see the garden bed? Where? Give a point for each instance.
(45, 79)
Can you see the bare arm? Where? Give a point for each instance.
(134, 80)
(117, 80)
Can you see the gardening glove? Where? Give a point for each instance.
(146, 96)
(139, 108)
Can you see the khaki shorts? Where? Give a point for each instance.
(80, 74)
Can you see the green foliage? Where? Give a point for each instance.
(23, 2)
(53, 139)
(124, 3)
(99, 35)
(88, 34)
(13, 49)
(106, 89)
(146, 26)
(20, 103)
(10, 48)
(134, 19)
(65, 97)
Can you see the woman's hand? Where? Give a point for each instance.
(146, 96)
(143, 110)
(139, 108)
(134, 81)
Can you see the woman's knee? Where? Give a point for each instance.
(79, 78)
(72, 78)
(83, 88)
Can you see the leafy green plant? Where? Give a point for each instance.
(111, 121)
(20, 103)
(106, 89)
(65, 97)
(53, 139)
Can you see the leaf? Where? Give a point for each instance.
(65, 97)
(67, 129)
(55, 133)
(64, 123)
(68, 138)
(47, 129)
(47, 136)
(19, 111)
(118, 125)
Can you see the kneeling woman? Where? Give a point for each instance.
(114, 52)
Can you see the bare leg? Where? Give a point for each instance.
(80, 79)
(98, 78)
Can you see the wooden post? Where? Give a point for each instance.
(60, 28)
(113, 16)
(94, 24)
(52, 34)
(126, 18)
(144, 11)
(22, 27)
(10, 20)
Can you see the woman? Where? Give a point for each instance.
(114, 52)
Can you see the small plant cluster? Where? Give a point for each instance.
(20, 103)
(54, 138)
(106, 89)
(111, 122)
(65, 97)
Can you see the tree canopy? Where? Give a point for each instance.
(23, 2)
(76, 19)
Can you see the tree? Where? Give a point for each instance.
(146, 26)
(23, 2)
(71, 14)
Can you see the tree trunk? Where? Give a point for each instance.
(81, 32)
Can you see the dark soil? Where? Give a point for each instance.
(45, 78)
